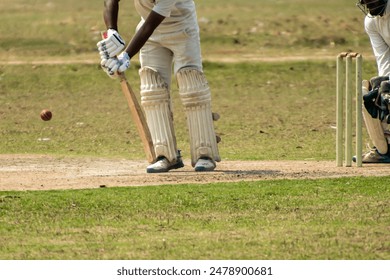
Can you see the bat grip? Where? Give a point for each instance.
(122, 76)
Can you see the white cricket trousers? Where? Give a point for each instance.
(180, 48)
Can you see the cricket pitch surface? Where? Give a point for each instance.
(43, 172)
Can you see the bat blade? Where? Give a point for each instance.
(138, 118)
(137, 115)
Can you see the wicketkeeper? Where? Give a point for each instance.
(167, 38)
(376, 92)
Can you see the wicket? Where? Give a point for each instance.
(348, 56)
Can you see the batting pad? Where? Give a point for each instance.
(374, 128)
(156, 103)
(196, 98)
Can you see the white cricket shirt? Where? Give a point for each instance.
(177, 13)
(378, 30)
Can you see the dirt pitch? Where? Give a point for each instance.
(44, 172)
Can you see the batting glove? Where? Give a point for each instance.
(116, 64)
(110, 46)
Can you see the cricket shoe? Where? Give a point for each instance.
(205, 164)
(373, 156)
(163, 165)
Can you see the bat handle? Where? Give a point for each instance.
(122, 76)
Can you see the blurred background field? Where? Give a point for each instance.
(229, 28)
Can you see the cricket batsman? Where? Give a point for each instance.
(376, 92)
(167, 39)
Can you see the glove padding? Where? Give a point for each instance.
(116, 64)
(377, 100)
(110, 46)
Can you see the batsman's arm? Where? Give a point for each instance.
(110, 14)
(142, 35)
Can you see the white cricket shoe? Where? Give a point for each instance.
(205, 164)
(163, 165)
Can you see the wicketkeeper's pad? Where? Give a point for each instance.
(373, 124)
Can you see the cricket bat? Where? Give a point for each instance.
(137, 115)
(138, 118)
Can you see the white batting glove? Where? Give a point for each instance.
(116, 64)
(124, 61)
(110, 46)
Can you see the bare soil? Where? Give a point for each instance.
(44, 172)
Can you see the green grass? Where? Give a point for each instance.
(298, 219)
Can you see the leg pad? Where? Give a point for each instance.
(196, 98)
(155, 100)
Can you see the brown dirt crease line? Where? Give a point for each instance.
(38, 172)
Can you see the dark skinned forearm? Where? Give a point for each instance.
(110, 13)
(146, 30)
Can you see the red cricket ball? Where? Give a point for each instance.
(46, 115)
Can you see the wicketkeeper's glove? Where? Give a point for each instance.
(369, 102)
(377, 100)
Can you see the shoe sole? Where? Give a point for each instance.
(175, 166)
(203, 169)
